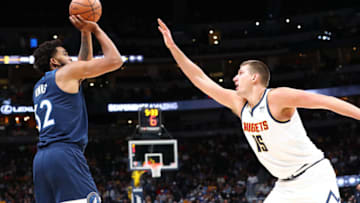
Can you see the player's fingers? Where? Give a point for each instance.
(81, 19)
(75, 20)
(72, 20)
(162, 24)
(78, 19)
(162, 31)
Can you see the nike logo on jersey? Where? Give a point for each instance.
(255, 127)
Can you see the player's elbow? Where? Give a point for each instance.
(115, 63)
(118, 61)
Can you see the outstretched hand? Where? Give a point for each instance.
(168, 40)
(82, 24)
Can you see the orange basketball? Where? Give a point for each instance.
(88, 9)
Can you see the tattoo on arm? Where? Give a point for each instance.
(85, 52)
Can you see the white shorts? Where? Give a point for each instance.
(316, 185)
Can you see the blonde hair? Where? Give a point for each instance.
(261, 68)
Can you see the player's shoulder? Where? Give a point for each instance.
(279, 103)
(279, 90)
(282, 95)
(283, 92)
(64, 80)
(70, 70)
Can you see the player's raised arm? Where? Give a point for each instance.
(95, 67)
(86, 47)
(224, 96)
(294, 98)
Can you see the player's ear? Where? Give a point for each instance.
(254, 76)
(54, 62)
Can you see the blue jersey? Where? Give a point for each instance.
(60, 116)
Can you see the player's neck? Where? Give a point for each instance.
(255, 95)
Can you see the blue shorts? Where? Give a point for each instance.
(61, 173)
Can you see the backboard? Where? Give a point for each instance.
(155, 151)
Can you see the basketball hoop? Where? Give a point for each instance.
(155, 169)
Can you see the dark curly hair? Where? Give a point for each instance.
(43, 53)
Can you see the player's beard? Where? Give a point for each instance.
(62, 64)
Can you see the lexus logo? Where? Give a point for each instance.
(6, 109)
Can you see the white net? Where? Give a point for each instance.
(155, 169)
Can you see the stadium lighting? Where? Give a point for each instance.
(214, 37)
(352, 180)
(340, 182)
(299, 27)
(287, 20)
(132, 58)
(257, 23)
(140, 58)
(348, 181)
(17, 59)
(31, 59)
(325, 36)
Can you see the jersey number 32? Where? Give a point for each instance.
(47, 121)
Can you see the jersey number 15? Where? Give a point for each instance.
(260, 143)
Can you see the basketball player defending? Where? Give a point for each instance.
(273, 127)
(60, 170)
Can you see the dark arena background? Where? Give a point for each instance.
(311, 45)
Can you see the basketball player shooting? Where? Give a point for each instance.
(273, 128)
(60, 170)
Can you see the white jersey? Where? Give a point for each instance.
(282, 147)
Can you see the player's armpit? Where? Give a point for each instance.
(225, 97)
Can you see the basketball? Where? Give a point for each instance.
(88, 9)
